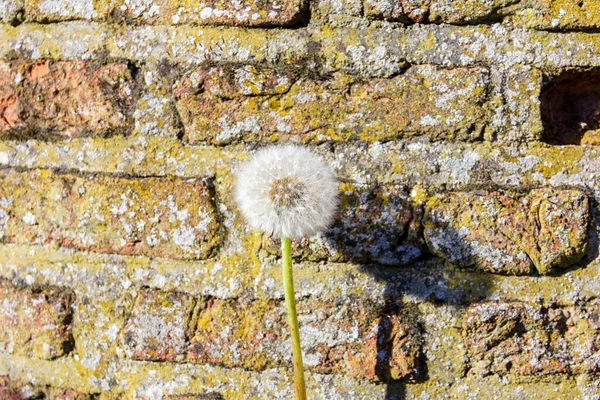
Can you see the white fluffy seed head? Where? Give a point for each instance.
(287, 191)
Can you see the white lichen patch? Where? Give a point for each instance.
(9, 9)
(67, 9)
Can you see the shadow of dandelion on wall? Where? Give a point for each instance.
(380, 229)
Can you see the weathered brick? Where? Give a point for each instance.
(437, 11)
(250, 13)
(559, 14)
(156, 217)
(539, 14)
(526, 339)
(59, 10)
(253, 334)
(11, 390)
(64, 99)
(336, 338)
(231, 104)
(9, 10)
(468, 11)
(521, 90)
(35, 323)
(204, 396)
(158, 329)
(328, 10)
(17, 390)
(509, 233)
(155, 113)
(390, 10)
(374, 225)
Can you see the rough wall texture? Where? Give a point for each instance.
(464, 259)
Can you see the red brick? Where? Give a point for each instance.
(17, 390)
(237, 104)
(155, 217)
(539, 14)
(249, 13)
(374, 224)
(64, 99)
(158, 329)
(507, 232)
(335, 338)
(35, 323)
(527, 339)
(253, 334)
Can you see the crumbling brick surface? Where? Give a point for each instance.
(64, 99)
(511, 233)
(531, 340)
(225, 105)
(35, 323)
(344, 338)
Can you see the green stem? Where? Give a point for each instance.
(290, 302)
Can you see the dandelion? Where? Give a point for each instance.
(291, 193)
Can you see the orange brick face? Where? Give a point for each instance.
(35, 323)
(350, 339)
(64, 99)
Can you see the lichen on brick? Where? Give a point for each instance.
(545, 230)
(532, 340)
(216, 108)
(35, 323)
(374, 225)
(252, 13)
(161, 217)
(10, 9)
(158, 329)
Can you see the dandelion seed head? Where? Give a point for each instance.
(287, 191)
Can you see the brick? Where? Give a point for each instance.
(559, 14)
(468, 11)
(155, 113)
(12, 390)
(398, 10)
(249, 13)
(253, 334)
(509, 233)
(231, 104)
(329, 10)
(59, 10)
(340, 338)
(64, 99)
(204, 396)
(158, 329)
(9, 10)
(437, 11)
(538, 14)
(35, 323)
(522, 86)
(155, 217)
(390, 10)
(526, 339)
(17, 390)
(374, 225)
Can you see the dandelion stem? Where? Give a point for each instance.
(290, 302)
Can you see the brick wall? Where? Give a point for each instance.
(463, 262)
